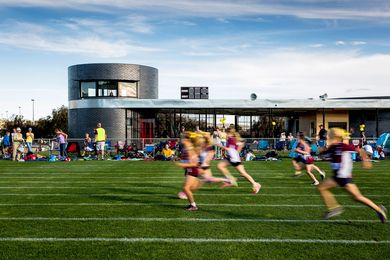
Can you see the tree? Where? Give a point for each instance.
(44, 127)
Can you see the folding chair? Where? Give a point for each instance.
(73, 148)
(263, 145)
(149, 150)
(107, 149)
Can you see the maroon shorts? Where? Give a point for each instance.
(193, 171)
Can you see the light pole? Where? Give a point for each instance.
(33, 121)
(6, 114)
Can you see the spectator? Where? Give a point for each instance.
(61, 139)
(100, 138)
(217, 142)
(167, 153)
(282, 141)
(322, 136)
(6, 143)
(381, 153)
(368, 149)
(88, 145)
(29, 139)
(290, 139)
(363, 138)
(17, 143)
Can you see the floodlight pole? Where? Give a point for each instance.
(33, 121)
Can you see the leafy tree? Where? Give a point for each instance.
(45, 126)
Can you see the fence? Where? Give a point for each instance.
(254, 144)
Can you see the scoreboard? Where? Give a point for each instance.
(194, 92)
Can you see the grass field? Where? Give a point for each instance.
(130, 210)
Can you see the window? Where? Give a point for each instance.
(128, 89)
(107, 88)
(88, 89)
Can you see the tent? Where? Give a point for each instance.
(384, 142)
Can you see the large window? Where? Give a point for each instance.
(108, 88)
(128, 89)
(88, 89)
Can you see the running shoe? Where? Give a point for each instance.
(334, 212)
(315, 183)
(322, 174)
(297, 174)
(256, 188)
(182, 195)
(383, 214)
(191, 208)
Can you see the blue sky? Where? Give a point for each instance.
(276, 49)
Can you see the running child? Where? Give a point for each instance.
(340, 156)
(206, 156)
(233, 148)
(303, 157)
(190, 162)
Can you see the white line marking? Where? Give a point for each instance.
(187, 240)
(176, 204)
(185, 219)
(287, 181)
(211, 187)
(172, 194)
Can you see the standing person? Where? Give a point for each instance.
(17, 141)
(282, 140)
(322, 136)
(290, 140)
(6, 143)
(190, 162)
(29, 139)
(304, 157)
(61, 139)
(233, 148)
(100, 138)
(340, 155)
(223, 139)
(217, 142)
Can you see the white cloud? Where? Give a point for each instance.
(316, 45)
(357, 43)
(225, 8)
(92, 42)
(281, 75)
(340, 43)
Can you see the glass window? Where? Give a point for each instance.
(88, 89)
(128, 89)
(107, 89)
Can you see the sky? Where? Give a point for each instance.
(275, 48)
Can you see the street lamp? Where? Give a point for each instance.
(20, 112)
(33, 100)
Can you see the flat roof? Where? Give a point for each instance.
(230, 103)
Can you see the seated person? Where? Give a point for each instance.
(167, 153)
(379, 153)
(368, 149)
(88, 145)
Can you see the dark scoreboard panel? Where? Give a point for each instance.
(194, 92)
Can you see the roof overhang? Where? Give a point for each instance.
(228, 103)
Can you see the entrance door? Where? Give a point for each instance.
(147, 128)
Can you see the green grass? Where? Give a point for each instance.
(127, 200)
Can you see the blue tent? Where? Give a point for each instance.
(384, 142)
